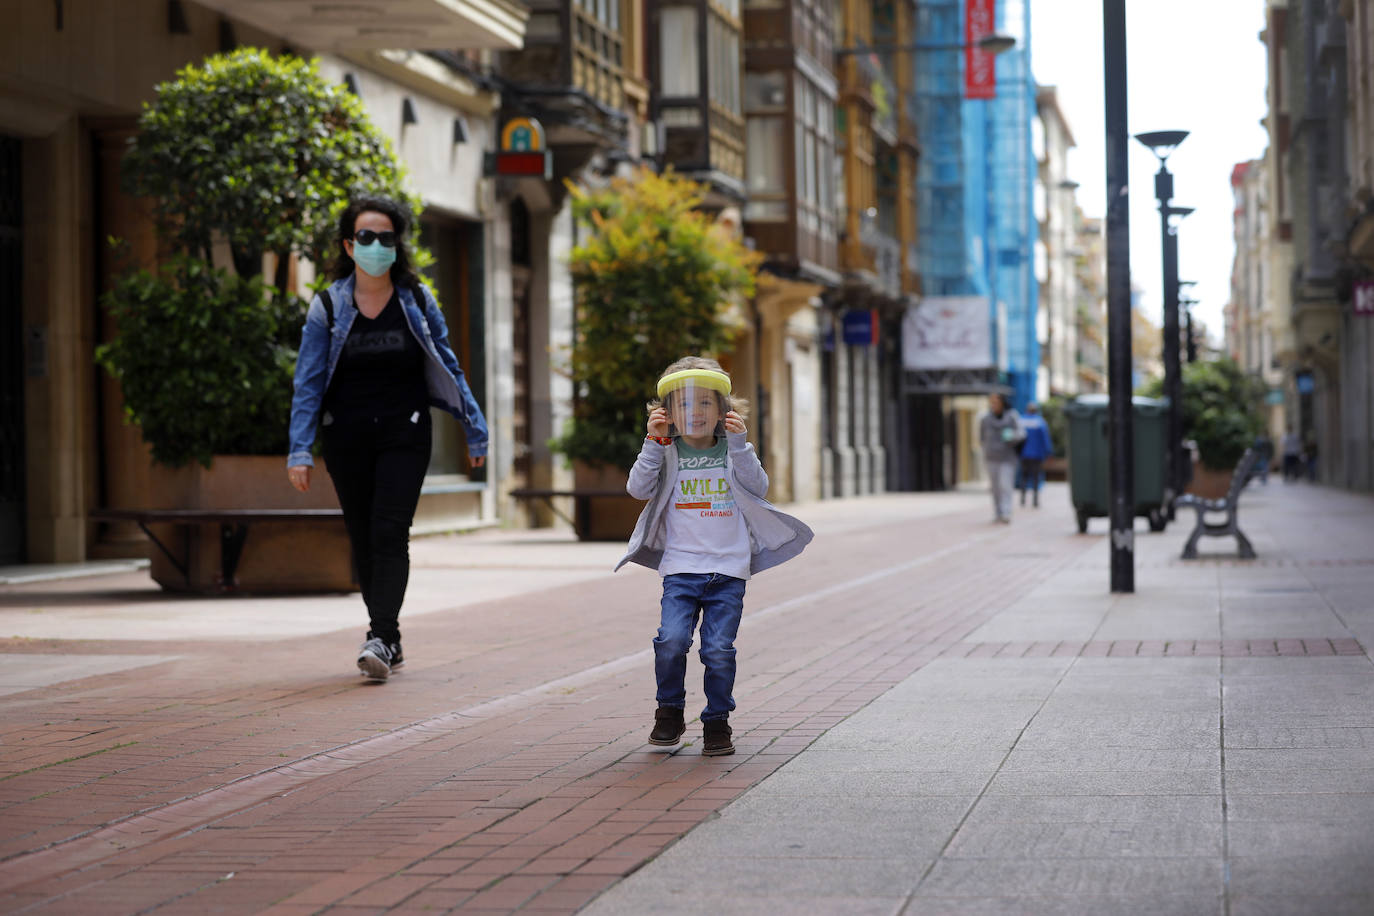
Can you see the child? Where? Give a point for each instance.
(706, 529)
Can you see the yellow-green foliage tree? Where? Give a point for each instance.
(654, 278)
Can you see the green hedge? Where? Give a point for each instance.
(262, 154)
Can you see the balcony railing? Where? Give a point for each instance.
(883, 91)
(886, 252)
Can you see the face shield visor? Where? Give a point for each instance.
(694, 401)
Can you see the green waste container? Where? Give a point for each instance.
(1088, 458)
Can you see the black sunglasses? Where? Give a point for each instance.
(367, 237)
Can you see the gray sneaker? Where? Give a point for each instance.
(374, 659)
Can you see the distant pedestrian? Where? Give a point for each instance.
(374, 356)
(1036, 448)
(1264, 450)
(999, 433)
(1309, 456)
(1292, 456)
(706, 529)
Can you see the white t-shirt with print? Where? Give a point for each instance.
(706, 532)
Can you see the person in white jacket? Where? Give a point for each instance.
(1000, 433)
(706, 529)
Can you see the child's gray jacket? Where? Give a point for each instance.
(774, 536)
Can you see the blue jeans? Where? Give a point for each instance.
(719, 601)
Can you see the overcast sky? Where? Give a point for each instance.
(1194, 65)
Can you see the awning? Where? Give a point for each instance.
(417, 24)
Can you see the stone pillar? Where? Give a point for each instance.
(129, 471)
(784, 308)
(499, 306)
(843, 455)
(860, 403)
(804, 360)
(876, 450)
(59, 406)
(550, 318)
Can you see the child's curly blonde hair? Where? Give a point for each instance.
(728, 402)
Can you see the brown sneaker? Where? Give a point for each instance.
(669, 725)
(716, 734)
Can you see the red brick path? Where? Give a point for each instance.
(504, 769)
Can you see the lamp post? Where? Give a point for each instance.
(1120, 422)
(1162, 143)
(1189, 342)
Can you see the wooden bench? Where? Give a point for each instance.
(582, 502)
(233, 531)
(1227, 504)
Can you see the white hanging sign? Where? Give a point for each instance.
(947, 332)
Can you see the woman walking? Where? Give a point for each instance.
(374, 356)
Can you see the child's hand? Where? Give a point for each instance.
(734, 423)
(658, 422)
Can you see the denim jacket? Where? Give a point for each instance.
(774, 536)
(319, 355)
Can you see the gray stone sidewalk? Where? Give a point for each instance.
(1200, 746)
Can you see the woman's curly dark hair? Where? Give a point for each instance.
(402, 273)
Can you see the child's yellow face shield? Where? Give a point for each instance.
(693, 400)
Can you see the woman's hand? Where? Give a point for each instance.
(299, 475)
(658, 422)
(734, 423)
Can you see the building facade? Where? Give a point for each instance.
(1056, 253)
(74, 81)
(1090, 309)
(1322, 235)
(1249, 315)
(977, 229)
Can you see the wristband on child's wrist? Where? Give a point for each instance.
(661, 440)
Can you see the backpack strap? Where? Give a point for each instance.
(328, 307)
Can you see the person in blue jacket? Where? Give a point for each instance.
(374, 357)
(1037, 447)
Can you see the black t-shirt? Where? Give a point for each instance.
(381, 371)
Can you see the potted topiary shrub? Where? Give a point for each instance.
(1057, 465)
(1222, 414)
(654, 279)
(244, 162)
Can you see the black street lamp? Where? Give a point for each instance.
(1162, 143)
(1120, 417)
(1189, 342)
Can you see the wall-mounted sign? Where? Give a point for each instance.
(523, 153)
(1363, 298)
(948, 332)
(522, 135)
(860, 327)
(980, 66)
(1304, 381)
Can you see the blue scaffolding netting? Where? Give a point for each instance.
(974, 183)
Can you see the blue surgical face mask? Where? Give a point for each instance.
(373, 259)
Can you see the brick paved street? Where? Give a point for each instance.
(221, 755)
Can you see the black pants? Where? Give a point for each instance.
(378, 467)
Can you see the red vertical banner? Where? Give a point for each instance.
(980, 67)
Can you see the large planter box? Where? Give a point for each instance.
(606, 512)
(277, 557)
(1207, 483)
(1057, 468)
